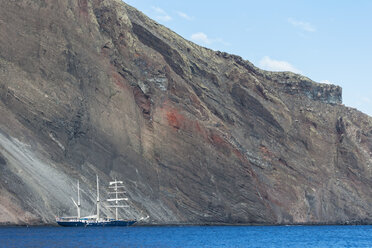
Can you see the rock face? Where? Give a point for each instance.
(198, 136)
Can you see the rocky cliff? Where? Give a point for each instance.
(95, 87)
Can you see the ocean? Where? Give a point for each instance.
(188, 236)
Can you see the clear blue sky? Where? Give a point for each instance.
(327, 41)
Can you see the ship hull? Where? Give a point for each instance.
(111, 223)
(71, 223)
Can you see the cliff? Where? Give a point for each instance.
(95, 87)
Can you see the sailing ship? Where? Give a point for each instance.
(116, 189)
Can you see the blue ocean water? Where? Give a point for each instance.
(188, 236)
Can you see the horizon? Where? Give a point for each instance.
(326, 42)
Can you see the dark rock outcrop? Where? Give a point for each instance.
(95, 87)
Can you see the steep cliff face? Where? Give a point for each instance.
(198, 136)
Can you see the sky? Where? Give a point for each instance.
(327, 41)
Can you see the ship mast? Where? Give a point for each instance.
(97, 199)
(78, 203)
(116, 185)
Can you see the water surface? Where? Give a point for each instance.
(188, 236)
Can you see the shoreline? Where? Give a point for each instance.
(357, 223)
